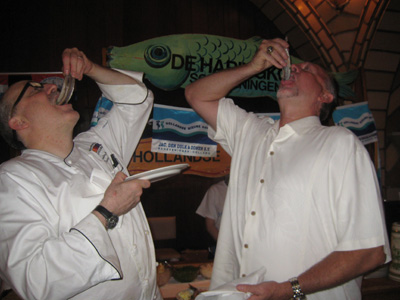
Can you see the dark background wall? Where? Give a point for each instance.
(35, 33)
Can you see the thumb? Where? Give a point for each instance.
(246, 288)
(144, 183)
(119, 177)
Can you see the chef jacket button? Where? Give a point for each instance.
(253, 213)
(271, 153)
(243, 275)
(146, 232)
(246, 246)
(262, 180)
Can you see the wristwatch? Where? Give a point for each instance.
(111, 219)
(297, 293)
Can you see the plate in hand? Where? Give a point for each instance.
(160, 173)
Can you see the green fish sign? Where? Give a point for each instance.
(175, 61)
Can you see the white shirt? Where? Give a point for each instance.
(212, 204)
(295, 195)
(51, 245)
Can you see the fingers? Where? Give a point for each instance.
(248, 289)
(245, 288)
(120, 177)
(75, 63)
(121, 196)
(275, 52)
(144, 183)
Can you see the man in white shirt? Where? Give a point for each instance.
(303, 201)
(212, 205)
(70, 226)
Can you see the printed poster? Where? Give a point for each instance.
(182, 131)
(145, 158)
(357, 118)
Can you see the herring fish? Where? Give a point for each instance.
(286, 70)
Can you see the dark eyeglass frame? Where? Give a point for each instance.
(33, 84)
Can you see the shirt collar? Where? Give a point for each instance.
(72, 157)
(301, 126)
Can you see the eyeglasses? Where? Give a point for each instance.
(35, 85)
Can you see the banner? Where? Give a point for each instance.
(274, 116)
(174, 61)
(103, 106)
(357, 118)
(144, 159)
(178, 130)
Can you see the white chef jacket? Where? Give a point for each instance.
(295, 195)
(51, 245)
(213, 201)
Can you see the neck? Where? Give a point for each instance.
(288, 116)
(60, 145)
(293, 111)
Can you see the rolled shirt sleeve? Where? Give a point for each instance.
(359, 205)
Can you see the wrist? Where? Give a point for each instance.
(90, 69)
(108, 218)
(101, 218)
(285, 290)
(297, 293)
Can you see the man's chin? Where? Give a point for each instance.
(285, 93)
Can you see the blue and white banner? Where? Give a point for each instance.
(357, 118)
(178, 130)
(274, 116)
(103, 106)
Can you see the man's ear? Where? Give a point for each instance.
(18, 123)
(326, 97)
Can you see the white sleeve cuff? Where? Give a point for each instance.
(95, 233)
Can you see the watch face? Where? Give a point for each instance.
(112, 222)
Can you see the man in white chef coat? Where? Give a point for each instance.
(303, 202)
(70, 226)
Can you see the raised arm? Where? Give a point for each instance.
(203, 94)
(77, 64)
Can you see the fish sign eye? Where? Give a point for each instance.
(157, 56)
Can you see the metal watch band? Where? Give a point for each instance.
(297, 293)
(111, 219)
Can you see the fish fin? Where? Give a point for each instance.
(255, 39)
(343, 80)
(346, 77)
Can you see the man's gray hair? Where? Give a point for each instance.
(327, 108)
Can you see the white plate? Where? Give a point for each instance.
(160, 173)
